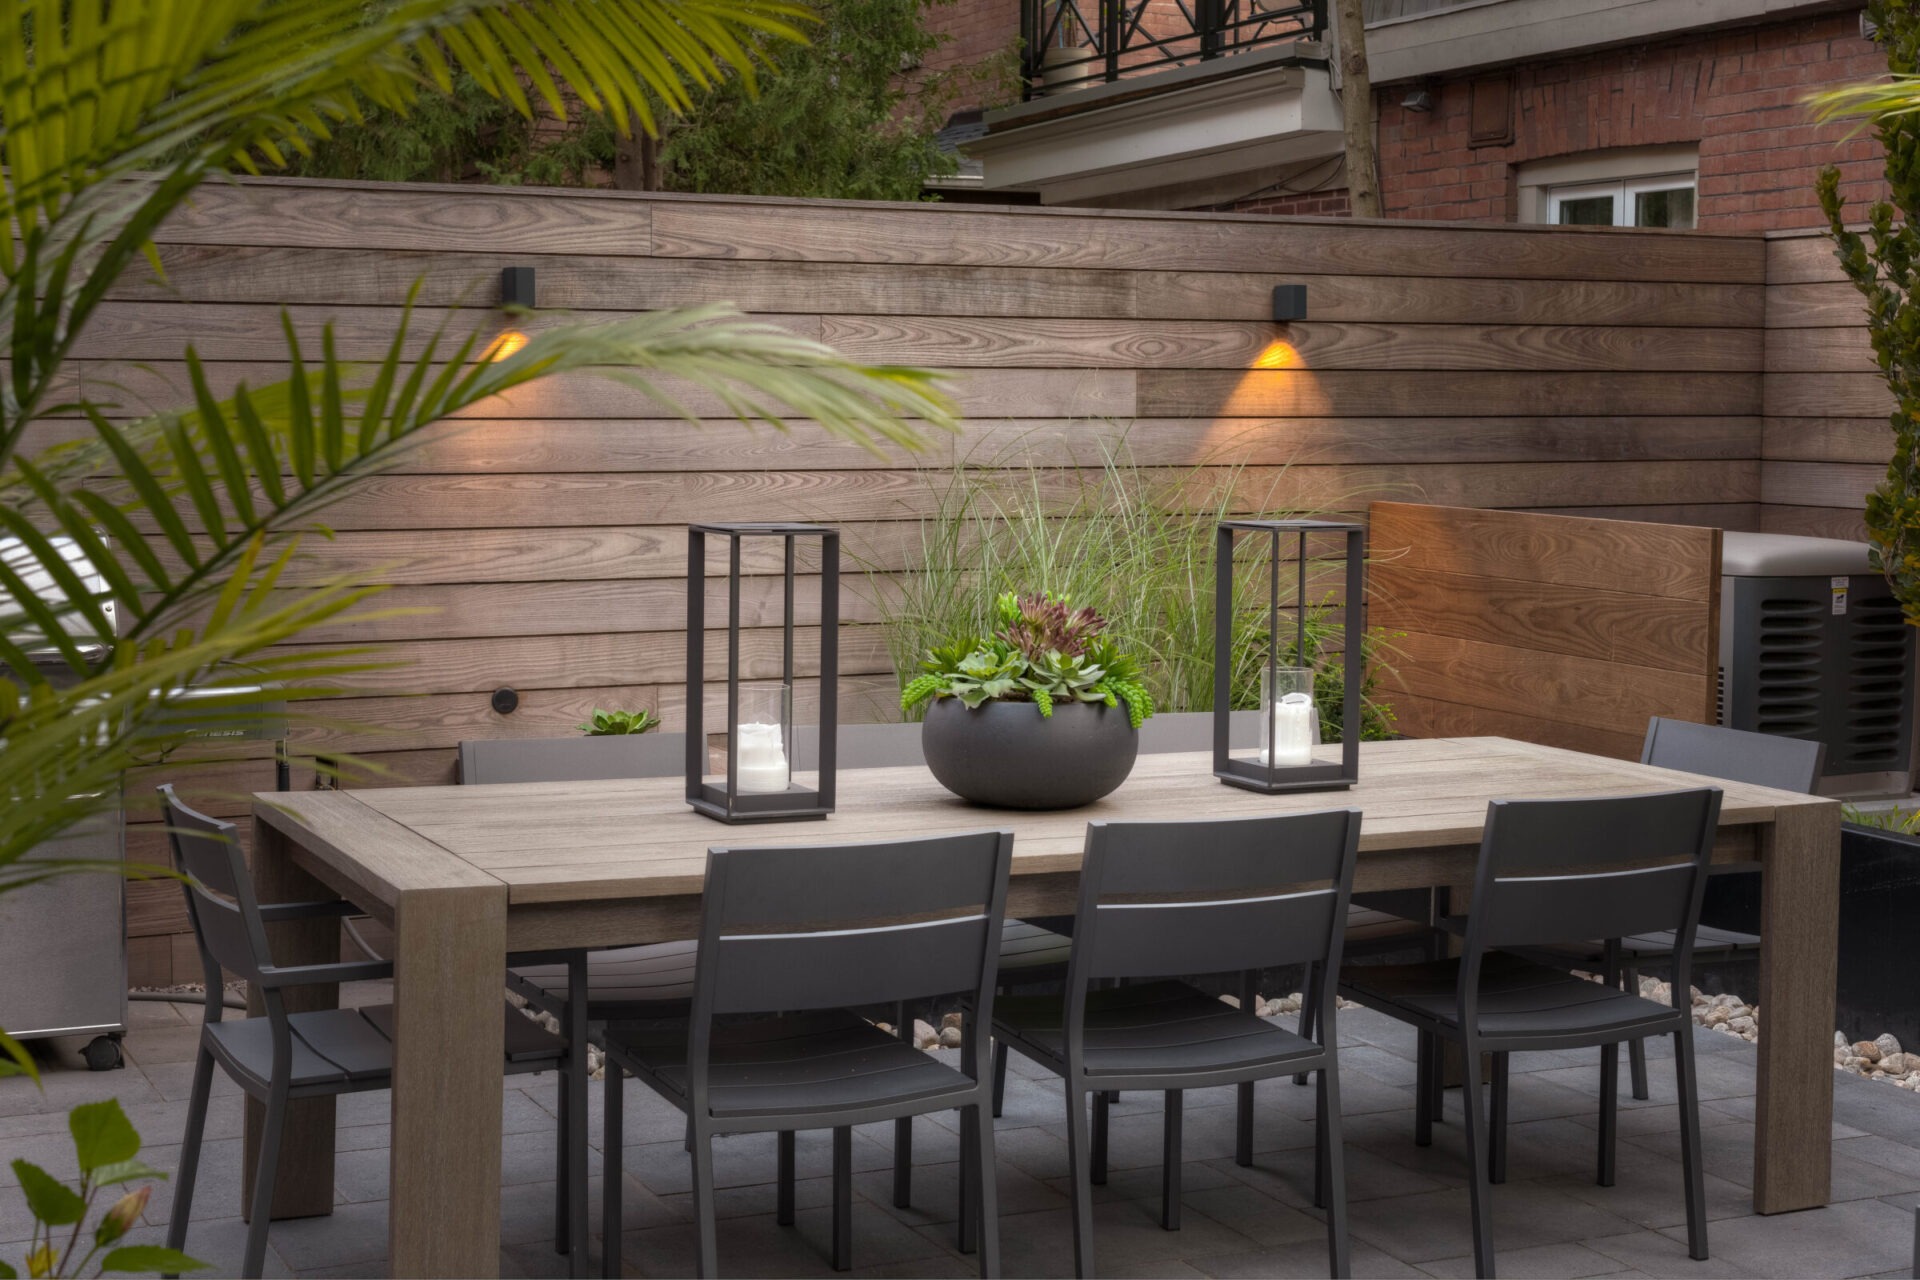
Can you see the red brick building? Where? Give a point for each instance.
(1669, 112)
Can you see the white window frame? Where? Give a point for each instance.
(1616, 171)
(1623, 194)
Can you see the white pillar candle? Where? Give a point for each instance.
(763, 759)
(1291, 732)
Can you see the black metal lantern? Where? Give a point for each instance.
(1291, 756)
(758, 784)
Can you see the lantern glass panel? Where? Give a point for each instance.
(1290, 720)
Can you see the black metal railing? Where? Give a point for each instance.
(1071, 44)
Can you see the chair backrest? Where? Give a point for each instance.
(582, 759)
(1568, 871)
(831, 926)
(220, 900)
(1159, 899)
(1171, 731)
(1762, 759)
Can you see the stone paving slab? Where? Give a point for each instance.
(1408, 1205)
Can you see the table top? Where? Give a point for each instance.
(556, 842)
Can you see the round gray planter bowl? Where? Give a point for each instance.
(1009, 756)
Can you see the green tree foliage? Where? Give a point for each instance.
(1884, 265)
(845, 116)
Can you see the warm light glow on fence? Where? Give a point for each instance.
(1279, 354)
(506, 344)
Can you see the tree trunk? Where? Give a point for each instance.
(636, 160)
(1356, 104)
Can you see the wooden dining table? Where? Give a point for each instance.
(465, 875)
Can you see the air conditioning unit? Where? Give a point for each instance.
(1813, 645)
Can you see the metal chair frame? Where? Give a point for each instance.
(793, 930)
(354, 1047)
(1559, 871)
(1158, 900)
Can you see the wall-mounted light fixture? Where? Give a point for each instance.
(516, 287)
(516, 290)
(1418, 100)
(1289, 303)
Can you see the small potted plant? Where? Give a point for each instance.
(1044, 713)
(607, 724)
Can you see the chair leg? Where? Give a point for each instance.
(1688, 1080)
(1309, 1010)
(1497, 1123)
(612, 1172)
(263, 1176)
(1320, 1145)
(1170, 1146)
(1636, 1049)
(1243, 1121)
(1000, 1055)
(190, 1152)
(574, 1185)
(1609, 1110)
(843, 1198)
(704, 1217)
(1331, 1181)
(563, 1154)
(987, 1194)
(1079, 1166)
(1479, 1189)
(902, 1128)
(1097, 1160)
(1422, 1092)
(783, 1176)
(967, 1234)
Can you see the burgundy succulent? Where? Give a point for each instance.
(1039, 624)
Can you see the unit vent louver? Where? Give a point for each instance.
(1788, 702)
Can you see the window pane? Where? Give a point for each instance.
(1587, 211)
(1670, 208)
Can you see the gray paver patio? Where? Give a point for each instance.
(1409, 1212)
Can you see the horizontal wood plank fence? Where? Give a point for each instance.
(1562, 630)
(1597, 372)
(1826, 405)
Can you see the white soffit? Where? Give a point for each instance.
(1276, 115)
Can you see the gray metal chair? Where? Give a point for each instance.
(1557, 872)
(1161, 899)
(799, 937)
(282, 1056)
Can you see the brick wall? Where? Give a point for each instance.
(1737, 94)
(976, 30)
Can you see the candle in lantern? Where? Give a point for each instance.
(1291, 733)
(763, 759)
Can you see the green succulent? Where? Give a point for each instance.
(606, 724)
(987, 673)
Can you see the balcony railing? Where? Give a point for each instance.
(1072, 44)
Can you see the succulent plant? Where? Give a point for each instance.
(1045, 652)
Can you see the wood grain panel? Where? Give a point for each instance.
(1824, 395)
(1743, 516)
(1819, 484)
(1849, 523)
(1554, 618)
(1801, 259)
(1837, 350)
(1827, 440)
(1317, 346)
(612, 445)
(565, 500)
(1815, 306)
(371, 215)
(1590, 625)
(1652, 560)
(992, 237)
(589, 283)
(1290, 393)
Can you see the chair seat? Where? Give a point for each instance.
(1518, 999)
(1707, 941)
(1025, 946)
(807, 1063)
(342, 1050)
(1148, 1029)
(622, 984)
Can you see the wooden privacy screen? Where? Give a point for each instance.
(1825, 400)
(1562, 630)
(1584, 369)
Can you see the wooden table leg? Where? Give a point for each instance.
(450, 948)
(303, 1186)
(1800, 914)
